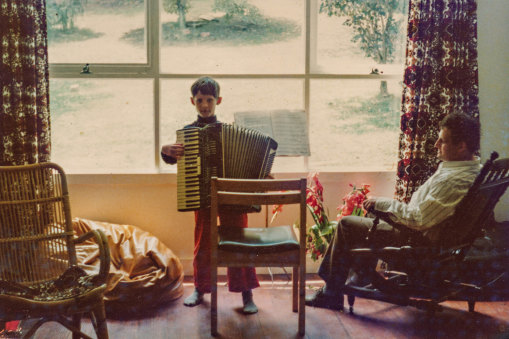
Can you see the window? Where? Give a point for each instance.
(113, 114)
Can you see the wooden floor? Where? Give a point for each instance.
(276, 320)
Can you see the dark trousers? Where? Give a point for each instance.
(240, 279)
(351, 233)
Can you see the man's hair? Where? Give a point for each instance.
(463, 128)
(207, 86)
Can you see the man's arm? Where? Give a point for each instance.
(434, 207)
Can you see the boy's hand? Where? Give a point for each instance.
(173, 150)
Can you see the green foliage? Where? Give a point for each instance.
(180, 7)
(319, 236)
(176, 6)
(373, 22)
(238, 10)
(61, 13)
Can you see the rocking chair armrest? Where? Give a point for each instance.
(413, 236)
(383, 251)
(104, 251)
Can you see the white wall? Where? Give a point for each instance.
(148, 201)
(493, 47)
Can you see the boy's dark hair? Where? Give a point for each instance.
(463, 128)
(206, 86)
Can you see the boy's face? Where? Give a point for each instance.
(205, 104)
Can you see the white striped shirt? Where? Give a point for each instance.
(436, 199)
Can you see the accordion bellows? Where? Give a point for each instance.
(220, 150)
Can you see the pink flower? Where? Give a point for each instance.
(352, 202)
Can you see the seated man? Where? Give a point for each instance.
(431, 204)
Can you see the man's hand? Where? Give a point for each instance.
(173, 150)
(369, 204)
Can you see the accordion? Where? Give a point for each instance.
(220, 150)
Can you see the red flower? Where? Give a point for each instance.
(277, 209)
(352, 202)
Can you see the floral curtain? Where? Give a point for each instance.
(440, 77)
(24, 83)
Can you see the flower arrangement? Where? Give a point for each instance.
(352, 202)
(320, 234)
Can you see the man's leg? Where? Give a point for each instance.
(350, 233)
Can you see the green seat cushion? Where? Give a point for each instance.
(257, 240)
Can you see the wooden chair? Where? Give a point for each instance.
(425, 275)
(259, 247)
(39, 275)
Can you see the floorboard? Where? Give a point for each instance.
(275, 319)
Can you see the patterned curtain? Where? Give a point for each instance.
(24, 83)
(440, 78)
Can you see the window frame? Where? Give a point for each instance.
(151, 69)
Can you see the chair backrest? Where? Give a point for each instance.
(35, 223)
(260, 192)
(475, 208)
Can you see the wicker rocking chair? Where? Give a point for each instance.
(39, 275)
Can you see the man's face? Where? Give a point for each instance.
(447, 150)
(205, 104)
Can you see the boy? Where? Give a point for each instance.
(205, 97)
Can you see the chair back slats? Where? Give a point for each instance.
(242, 198)
(475, 208)
(260, 185)
(35, 223)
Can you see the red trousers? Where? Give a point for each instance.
(240, 279)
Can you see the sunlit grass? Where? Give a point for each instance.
(57, 35)
(222, 32)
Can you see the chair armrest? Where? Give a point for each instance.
(104, 251)
(413, 236)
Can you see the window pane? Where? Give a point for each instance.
(258, 36)
(102, 125)
(238, 96)
(365, 36)
(96, 31)
(354, 125)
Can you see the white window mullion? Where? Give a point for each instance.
(153, 30)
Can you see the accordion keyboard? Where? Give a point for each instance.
(189, 170)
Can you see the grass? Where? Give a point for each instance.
(56, 35)
(222, 32)
(72, 95)
(380, 112)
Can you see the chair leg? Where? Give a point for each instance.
(213, 301)
(302, 296)
(100, 316)
(351, 301)
(34, 328)
(471, 305)
(295, 286)
(76, 322)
